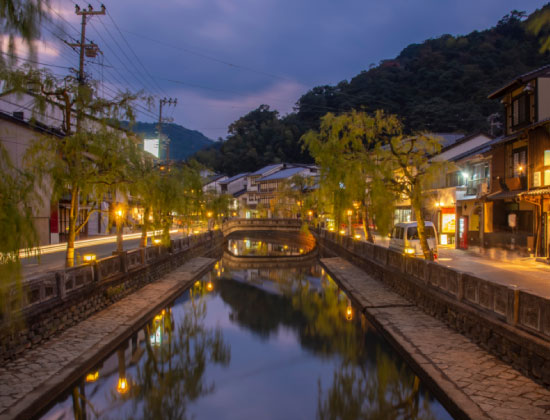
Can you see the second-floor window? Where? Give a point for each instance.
(521, 111)
(518, 162)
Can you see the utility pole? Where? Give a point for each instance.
(89, 49)
(163, 102)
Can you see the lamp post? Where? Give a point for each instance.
(119, 214)
(350, 212)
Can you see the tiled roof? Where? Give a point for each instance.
(234, 178)
(524, 78)
(285, 173)
(265, 169)
(538, 191)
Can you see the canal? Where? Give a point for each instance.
(278, 342)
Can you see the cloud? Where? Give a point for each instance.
(212, 115)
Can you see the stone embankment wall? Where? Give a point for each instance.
(54, 301)
(512, 324)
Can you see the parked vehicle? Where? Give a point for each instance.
(404, 238)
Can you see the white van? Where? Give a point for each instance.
(404, 238)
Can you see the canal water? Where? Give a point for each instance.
(271, 343)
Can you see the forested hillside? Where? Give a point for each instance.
(183, 142)
(440, 85)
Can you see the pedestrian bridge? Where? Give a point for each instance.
(252, 225)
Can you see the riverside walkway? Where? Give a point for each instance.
(30, 382)
(464, 376)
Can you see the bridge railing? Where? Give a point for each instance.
(241, 224)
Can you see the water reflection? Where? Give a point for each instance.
(286, 336)
(258, 248)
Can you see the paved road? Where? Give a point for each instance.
(524, 273)
(56, 260)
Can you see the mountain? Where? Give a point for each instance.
(440, 85)
(183, 142)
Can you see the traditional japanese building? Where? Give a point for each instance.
(517, 210)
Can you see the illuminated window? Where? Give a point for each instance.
(547, 177)
(547, 158)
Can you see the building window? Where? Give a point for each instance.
(519, 162)
(547, 177)
(520, 111)
(547, 158)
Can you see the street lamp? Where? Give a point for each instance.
(119, 214)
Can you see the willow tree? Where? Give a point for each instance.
(348, 152)
(88, 156)
(405, 165)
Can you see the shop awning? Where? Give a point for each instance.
(503, 195)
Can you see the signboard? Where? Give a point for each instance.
(152, 146)
(448, 220)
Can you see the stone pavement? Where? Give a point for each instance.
(30, 382)
(468, 380)
(521, 273)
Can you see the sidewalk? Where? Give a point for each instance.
(466, 377)
(525, 273)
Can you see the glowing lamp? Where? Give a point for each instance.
(209, 214)
(197, 283)
(349, 313)
(409, 251)
(157, 241)
(357, 236)
(310, 213)
(209, 286)
(234, 213)
(350, 212)
(92, 376)
(331, 229)
(122, 387)
(520, 168)
(89, 258)
(119, 212)
(342, 232)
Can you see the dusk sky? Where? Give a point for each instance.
(223, 58)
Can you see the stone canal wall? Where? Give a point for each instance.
(57, 300)
(510, 323)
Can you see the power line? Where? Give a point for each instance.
(208, 57)
(134, 53)
(33, 61)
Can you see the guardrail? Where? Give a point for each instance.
(59, 285)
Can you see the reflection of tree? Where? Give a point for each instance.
(386, 391)
(173, 373)
(368, 383)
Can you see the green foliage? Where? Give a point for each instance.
(16, 230)
(257, 139)
(347, 150)
(440, 85)
(19, 18)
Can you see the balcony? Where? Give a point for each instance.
(477, 187)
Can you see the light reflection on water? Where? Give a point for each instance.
(258, 248)
(262, 344)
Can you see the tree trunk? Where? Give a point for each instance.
(145, 227)
(421, 229)
(71, 235)
(366, 229)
